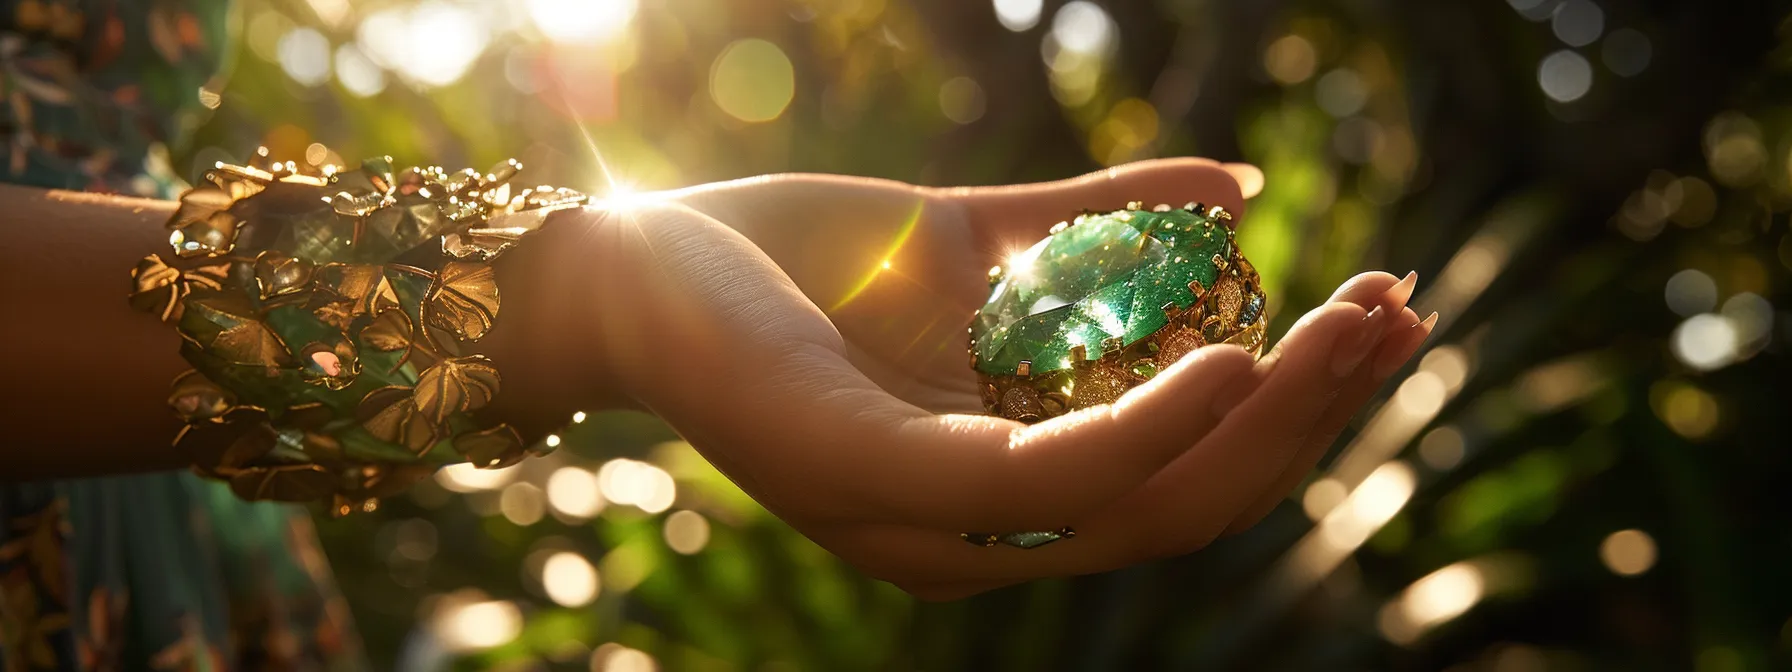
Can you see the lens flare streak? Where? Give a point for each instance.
(896, 243)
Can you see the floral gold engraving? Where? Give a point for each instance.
(327, 369)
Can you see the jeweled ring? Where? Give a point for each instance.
(1100, 306)
(1018, 539)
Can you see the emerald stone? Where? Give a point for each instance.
(1101, 283)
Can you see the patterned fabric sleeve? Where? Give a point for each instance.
(96, 89)
(158, 571)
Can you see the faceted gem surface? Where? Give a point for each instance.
(1101, 282)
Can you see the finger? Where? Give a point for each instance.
(967, 473)
(1020, 214)
(1249, 177)
(1400, 339)
(1181, 507)
(1246, 453)
(1389, 362)
(1372, 288)
(1397, 349)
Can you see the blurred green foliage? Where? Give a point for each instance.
(1546, 185)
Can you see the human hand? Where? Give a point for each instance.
(760, 319)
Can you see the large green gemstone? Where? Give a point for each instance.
(1106, 277)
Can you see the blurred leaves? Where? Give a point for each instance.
(1480, 513)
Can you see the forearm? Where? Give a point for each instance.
(89, 376)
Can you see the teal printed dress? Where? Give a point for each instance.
(159, 571)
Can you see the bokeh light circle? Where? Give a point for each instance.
(431, 44)
(1443, 448)
(581, 21)
(569, 579)
(1690, 292)
(1018, 15)
(752, 80)
(686, 532)
(1628, 552)
(1565, 76)
(1083, 27)
(1626, 52)
(305, 56)
(1290, 59)
(1705, 342)
(1751, 316)
(962, 100)
(1578, 23)
(1341, 93)
(358, 73)
(573, 492)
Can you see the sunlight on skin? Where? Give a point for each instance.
(930, 337)
(622, 196)
(619, 195)
(902, 235)
(620, 192)
(919, 334)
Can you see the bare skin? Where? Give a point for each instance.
(758, 319)
(77, 352)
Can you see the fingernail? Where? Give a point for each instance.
(1351, 353)
(1249, 178)
(1428, 323)
(1401, 292)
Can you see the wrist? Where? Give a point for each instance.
(558, 285)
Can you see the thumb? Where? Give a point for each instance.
(1026, 211)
